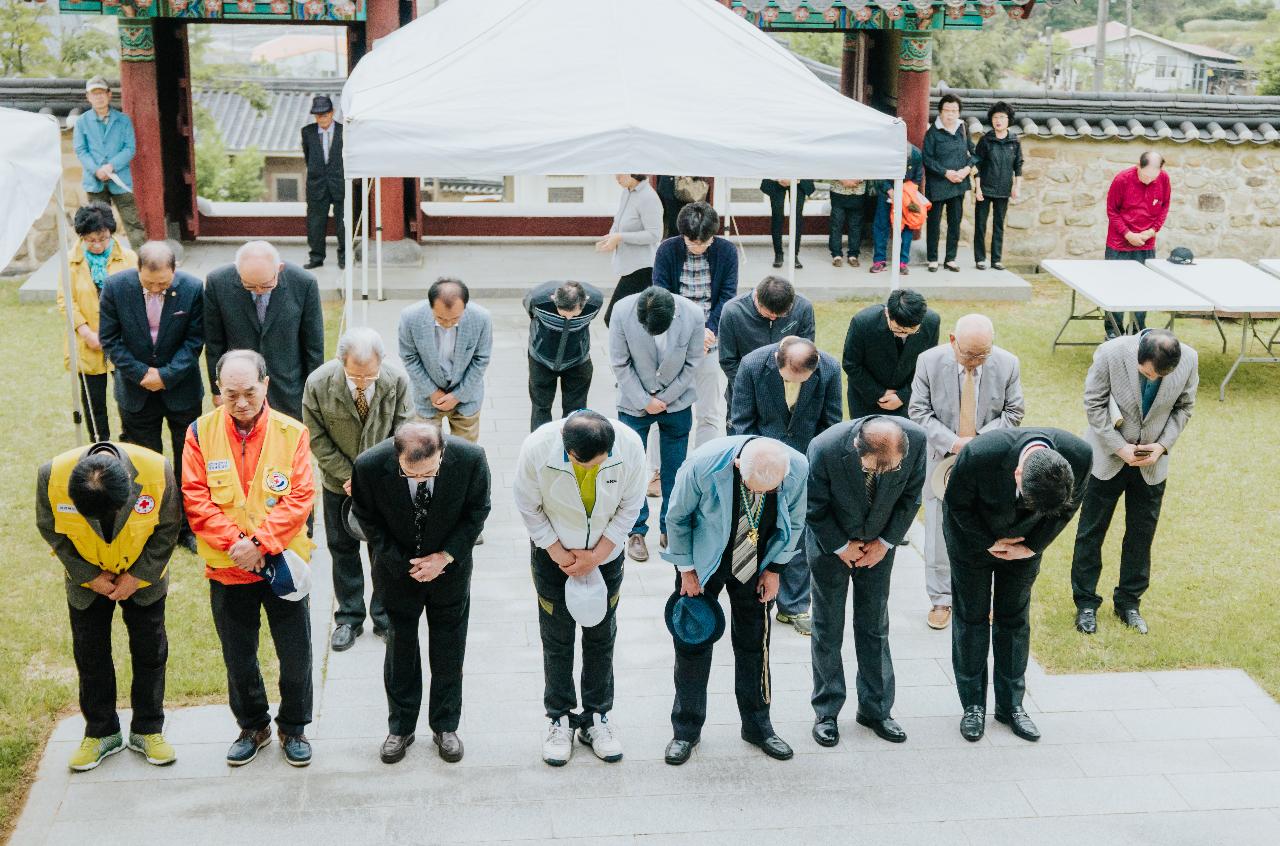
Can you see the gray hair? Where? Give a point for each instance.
(361, 344)
(257, 249)
(252, 356)
(156, 255)
(975, 324)
(765, 462)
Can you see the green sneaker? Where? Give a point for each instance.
(801, 622)
(153, 747)
(92, 750)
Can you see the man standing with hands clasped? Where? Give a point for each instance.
(1150, 381)
(880, 352)
(1137, 205)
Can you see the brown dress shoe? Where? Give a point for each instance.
(655, 484)
(450, 746)
(637, 549)
(940, 616)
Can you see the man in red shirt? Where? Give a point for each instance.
(248, 488)
(1137, 205)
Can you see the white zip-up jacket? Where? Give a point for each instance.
(548, 499)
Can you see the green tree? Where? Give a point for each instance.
(1269, 70)
(825, 47)
(24, 39)
(87, 52)
(221, 176)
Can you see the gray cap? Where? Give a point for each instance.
(96, 84)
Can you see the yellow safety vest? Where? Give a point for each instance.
(271, 481)
(123, 550)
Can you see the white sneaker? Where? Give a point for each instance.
(557, 749)
(600, 737)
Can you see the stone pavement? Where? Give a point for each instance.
(1169, 758)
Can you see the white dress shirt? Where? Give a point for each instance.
(368, 392)
(446, 341)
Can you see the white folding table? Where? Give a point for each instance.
(1120, 286)
(1237, 289)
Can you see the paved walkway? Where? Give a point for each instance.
(1132, 758)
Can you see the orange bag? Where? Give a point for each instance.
(915, 208)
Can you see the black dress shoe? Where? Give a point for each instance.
(342, 263)
(777, 261)
(826, 732)
(678, 751)
(394, 747)
(380, 632)
(773, 746)
(1087, 621)
(887, 729)
(798, 264)
(1021, 724)
(312, 265)
(344, 637)
(974, 723)
(450, 745)
(1131, 618)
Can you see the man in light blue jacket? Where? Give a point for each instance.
(736, 519)
(445, 344)
(104, 143)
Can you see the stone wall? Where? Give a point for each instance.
(1226, 199)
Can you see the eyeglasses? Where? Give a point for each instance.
(95, 239)
(418, 477)
(362, 380)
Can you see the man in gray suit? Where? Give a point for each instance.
(960, 390)
(865, 477)
(1149, 381)
(445, 344)
(350, 404)
(655, 347)
(791, 392)
(272, 307)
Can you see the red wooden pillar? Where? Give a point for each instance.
(139, 99)
(915, 61)
(853, 66)
(383, 18)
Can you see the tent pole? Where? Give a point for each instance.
(64, 259)
(794, 192)
(364, 239)
(894, 257)
(349, 276)
(377, 202)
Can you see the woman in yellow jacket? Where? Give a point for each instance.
(95, 256)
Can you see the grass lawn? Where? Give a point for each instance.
(1214, 561)
(37, 676)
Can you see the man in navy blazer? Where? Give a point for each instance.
(152, 328)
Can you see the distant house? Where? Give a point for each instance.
(1159, 64)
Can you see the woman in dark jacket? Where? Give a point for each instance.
(996, 182)
(948, 159)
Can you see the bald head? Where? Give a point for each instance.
(258, 265)
(763, 464)
(972, 340)
(881, 444)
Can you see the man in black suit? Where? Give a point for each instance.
(788, 391)
(322, 151)
(1011, 492)
(421, 499)
(880, 352)
(152, 328)
(263, 304)
(865, 478)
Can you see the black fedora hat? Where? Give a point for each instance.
(694, 620)
(321, 104)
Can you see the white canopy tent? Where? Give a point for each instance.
(31, 172)
(535, 87)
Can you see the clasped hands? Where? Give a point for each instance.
(246, 555)
(428, 567)
(116, 587)
(890, 401)
(1128, 454)
(442, 401)
(1011, 549)
(609, 243)
(1137, 239)
(579, 562)
(863, 553)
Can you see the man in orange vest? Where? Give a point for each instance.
(248, 487)
(111, 513)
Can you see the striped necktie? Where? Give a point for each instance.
(746, 554)
(870, 479)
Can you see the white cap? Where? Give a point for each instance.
(587, 598)
(96, 84)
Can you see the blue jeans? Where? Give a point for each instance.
(1114, 325)
(794, 586)
(673, 445)
(882, 232)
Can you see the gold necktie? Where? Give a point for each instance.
(362, 404)
(968, 406)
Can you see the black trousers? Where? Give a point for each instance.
(632, 283)
(319, 202)
(559, 630)
(148, 653)
(145, 427)
(749, 633)
(93, 398)
(237, 615)
(1115, 319)
(1141, 514)
(670, 214)
(875, 681)
(1002, 589)
(848, 211)
(446, 601)
(575, 384)
(996, 207)
(954, 208)
(778, 203)
(348, 569)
